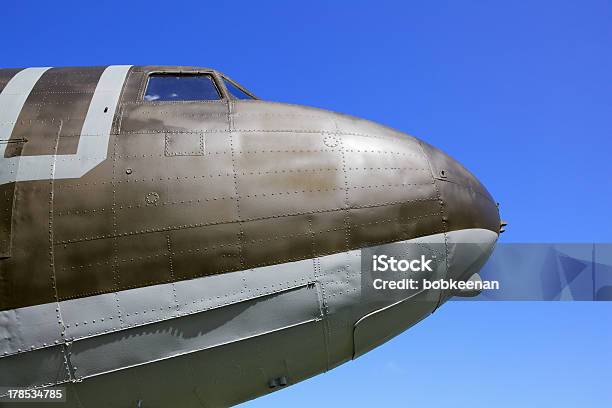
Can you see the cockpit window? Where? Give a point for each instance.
(235, 91)
(181, 87)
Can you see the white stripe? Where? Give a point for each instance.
(93, 141)
(13, 98)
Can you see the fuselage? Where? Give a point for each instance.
(183, 251)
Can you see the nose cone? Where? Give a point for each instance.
(471, 216)
(467, 203)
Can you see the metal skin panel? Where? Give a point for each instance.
(60, 98)
(12, 100)
(16, 89)
(92, 143)
(381, 325)
(29, 328)
(217, 377)
(179, 209)
(35, 327)
(306, 189)
(210, 313)
(35, 369)
(195, 332)
(6, 75)
(466, 252)
(7, 192)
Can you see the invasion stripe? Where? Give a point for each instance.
(6, 74)
(12, 99)
(56, 107)
(93, 141)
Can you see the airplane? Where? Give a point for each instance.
(168, 239)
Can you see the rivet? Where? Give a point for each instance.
(152, 197)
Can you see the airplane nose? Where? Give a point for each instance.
(468, 204)
(470, 215)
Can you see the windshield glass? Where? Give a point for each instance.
(181, 87)
(235, 91)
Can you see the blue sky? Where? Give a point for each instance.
(519, 92)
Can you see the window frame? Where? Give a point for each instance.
(215, 80)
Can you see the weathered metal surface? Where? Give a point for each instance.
(128, 214)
